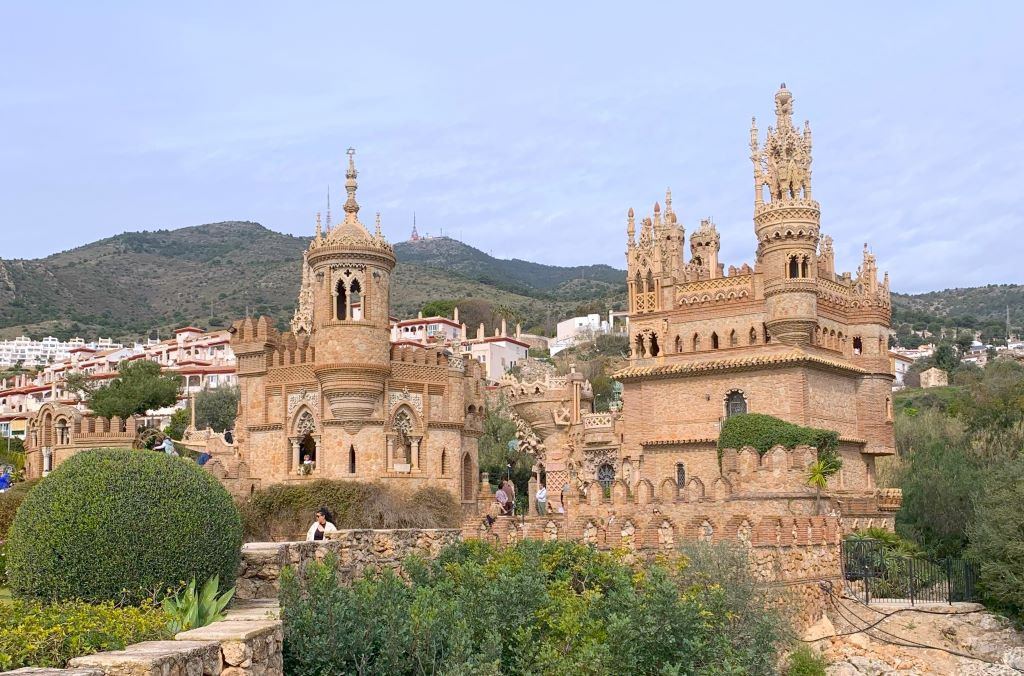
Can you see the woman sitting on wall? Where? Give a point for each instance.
(321, 526)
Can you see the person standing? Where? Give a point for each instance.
(542, 500)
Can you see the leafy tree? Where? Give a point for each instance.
(79, 384)
(439, 308)
(946, 357)
(997, 539)
(216, 408)
(499, 451)
(997, 398)
(138, 387)
(939, 477)
(964, 340)
(179, 422)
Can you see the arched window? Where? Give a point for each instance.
(650, 282)
(467, 478)
(696, 342)
(403, 427)
(341, 302)
(794, 267)
(680, 478)
(63, 432)
(733, 340)
(605, 477)
(767, 336)
(753, 336)
(698, 261)
(714, 341)
(735, 404)
(804, 272)
(356, 297)
(444, 461)
(679, 344)
(655, 350)
(351, 459)
(858, 347)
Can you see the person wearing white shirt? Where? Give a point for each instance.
(321, 526)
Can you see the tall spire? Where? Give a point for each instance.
(351, 206)
(377, 232)
(784, 162)
(318, 232)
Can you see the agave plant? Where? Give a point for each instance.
(189, 609)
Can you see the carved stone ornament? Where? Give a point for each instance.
(414, 399)
(307, 397)
(305, 424)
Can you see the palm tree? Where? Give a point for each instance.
(817, 478)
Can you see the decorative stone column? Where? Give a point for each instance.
(296, 455)
(316, 454)
(532, 492)
(389, 455)
(415, 453)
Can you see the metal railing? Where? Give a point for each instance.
(873, 571)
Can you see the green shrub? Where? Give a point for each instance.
(997, 537)
(535, 608)
(285, 511)
(805, 661)
(9, 503)
(192, 608)
(39, 635)
(122, 526)
(763, 432)
(3, 565)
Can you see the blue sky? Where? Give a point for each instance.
(525, 129)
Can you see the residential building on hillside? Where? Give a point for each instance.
(30, 353)
(498, 353)
(203, 359)
(571, 332)
(900, 367)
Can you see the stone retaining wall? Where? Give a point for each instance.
(357, 551)
(248, 643)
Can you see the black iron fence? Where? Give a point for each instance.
(875, 572)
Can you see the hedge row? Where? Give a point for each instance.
(536, 608)
(40, 635)
(285, 511)
(763, 432)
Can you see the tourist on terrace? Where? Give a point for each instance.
(167, 446)
(542, 500)
(5, 480)
(501, 497)
(203, 458)
(321, 525)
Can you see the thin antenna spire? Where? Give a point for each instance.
(328, 207)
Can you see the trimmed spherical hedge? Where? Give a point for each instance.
(122, 526)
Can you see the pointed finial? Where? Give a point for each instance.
(657, 208)
(378, 225)
(668, 200)
(630, 225)
(318, 226)
(351, 206)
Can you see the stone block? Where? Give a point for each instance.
(46, 671)
(157, 658)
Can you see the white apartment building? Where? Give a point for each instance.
(46, 351)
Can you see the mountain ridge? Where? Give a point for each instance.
(130, 284)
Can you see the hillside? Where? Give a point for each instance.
(131, 284)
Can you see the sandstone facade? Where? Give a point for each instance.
(333, 397)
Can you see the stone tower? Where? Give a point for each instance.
(787, 225)
(350, 276)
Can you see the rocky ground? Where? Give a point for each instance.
(994, 647)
